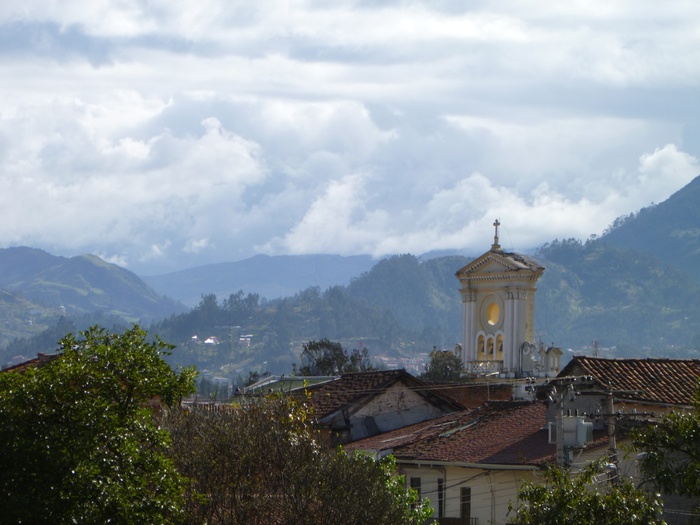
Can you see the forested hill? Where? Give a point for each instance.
(669, 231)
(620, 297)
(38, 287)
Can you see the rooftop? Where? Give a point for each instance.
(39, 361)
(497, 433)
(354, 388)
(662, 381)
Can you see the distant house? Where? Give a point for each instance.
(363, 404)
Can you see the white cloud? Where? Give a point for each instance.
(175, 133)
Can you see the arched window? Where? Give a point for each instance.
(480, 348)
(489, 349)
(499, 347)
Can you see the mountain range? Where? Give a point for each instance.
(267, 276)
(635, 287)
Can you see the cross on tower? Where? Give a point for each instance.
(496, 246)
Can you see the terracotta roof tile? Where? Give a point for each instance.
(350, 389)
(504, 433)
(663, 381)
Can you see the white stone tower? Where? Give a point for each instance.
(498, 314)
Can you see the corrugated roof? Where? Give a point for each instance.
(497, 433)
(663, 381)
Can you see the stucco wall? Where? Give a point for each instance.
(397, 407)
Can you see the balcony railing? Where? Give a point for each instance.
(484, 366)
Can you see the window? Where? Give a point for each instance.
(465, 503)
(415, 485)
(440, 497)
(489, 349)
(493, 314)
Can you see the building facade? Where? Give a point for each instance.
(498, 316)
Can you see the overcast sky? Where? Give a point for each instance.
(163, 134)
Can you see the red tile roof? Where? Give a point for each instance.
(351, 389)
(39, 361)
(473, 395)
(497, 433)
(662, 381)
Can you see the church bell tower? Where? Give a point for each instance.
(498, 313)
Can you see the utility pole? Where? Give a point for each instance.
(563, 388)
(561, 453)
(612, 443)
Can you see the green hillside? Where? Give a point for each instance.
(37, 288)
(620, 297)
(670, 231)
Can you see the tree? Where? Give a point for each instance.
(326, 358)
(78, 441)
(444, 366)
(670, 459)
(584, 498)
(266, 462)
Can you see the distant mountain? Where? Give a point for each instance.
(634, 288)
(669, 231)
(79, 285)
(268, 276)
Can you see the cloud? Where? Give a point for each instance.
(168, 134)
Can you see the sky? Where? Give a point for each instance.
(166, 134)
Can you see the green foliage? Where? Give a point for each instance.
(78, 442)
(326, 358)
(444, 366)
(267, 463)
(585, 498)
(670, 459)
